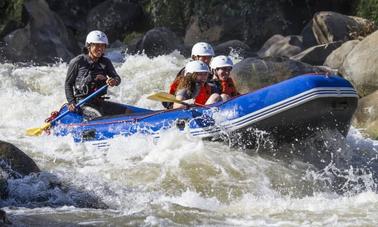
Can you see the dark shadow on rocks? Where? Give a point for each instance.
(22, 184)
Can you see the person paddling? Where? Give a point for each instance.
(200, 51)
(88, 72)
(193, 87)
(221, 67)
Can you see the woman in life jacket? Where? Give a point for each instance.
(221, 67)
(88, 72)
(193, 88)
(200, 52)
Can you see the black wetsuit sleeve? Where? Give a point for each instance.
(70, 81)
(112, 72)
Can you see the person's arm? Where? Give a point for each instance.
(70, 83)
(182, 95)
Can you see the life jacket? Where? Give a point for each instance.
(173, 87)
(228, 87)
(203, 94)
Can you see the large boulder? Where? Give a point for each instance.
(360, 65)
(238, 21)
(233, 46)
(280, 46)
(316, 55)
(366, 115)
(44, 39)
(336, 59)
(18, 161)
(253, 73)
(73, 14)
(159, 41)
(327, 27)
(115, 18)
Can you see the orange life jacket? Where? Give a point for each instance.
(203, 95)
(228, 87)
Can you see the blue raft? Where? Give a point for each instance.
(288, 110)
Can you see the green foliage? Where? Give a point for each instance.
(368, 9)
(132, 38)
(173, 14)
(10, 16)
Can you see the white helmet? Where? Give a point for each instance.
(220, 62)
(196, 67)
(96, 37)
(202, 49)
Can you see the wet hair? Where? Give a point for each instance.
(85, 50)
(188, 82)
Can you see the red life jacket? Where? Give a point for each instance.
(203, 95)
(228, 87)
(173, 87)
(175, 83)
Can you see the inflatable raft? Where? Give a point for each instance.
(288, 110)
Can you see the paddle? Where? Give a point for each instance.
(38, 131)
(166, 97)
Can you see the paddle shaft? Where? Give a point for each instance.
(166, 97)
(83, 101)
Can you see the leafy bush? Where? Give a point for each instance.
(368, 9)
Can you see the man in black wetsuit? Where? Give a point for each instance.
(88, 72)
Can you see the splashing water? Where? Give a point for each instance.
(177, 180)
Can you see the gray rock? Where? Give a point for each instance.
(327, 27)
(17, 160)
(253, 73)
(159, 41)
(360, 66)
(316, 55)
(44, 39)
(233, 45)
(280, 46)
(336, 59)
(115, 18)
(366, 115)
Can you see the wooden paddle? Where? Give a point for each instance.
(166, 97)
(38, 131)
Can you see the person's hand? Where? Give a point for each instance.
(100, 77)
(71, 107)
(189, 101)
(111, 82)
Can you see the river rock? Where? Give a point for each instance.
(360, 65)
(366, 115)
(159, 41)
(249, 21)
(235, 46)
(327, 27)
(278, 46)
(44, 39)
(73, 14)
(115, 18)
(336, 59)
(316, 55)
(253, 73)
(16, 160)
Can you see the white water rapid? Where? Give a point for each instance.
(177, 180)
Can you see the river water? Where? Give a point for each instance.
(177, 180)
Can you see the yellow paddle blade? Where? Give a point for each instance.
(37, 131)
(164, 97)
